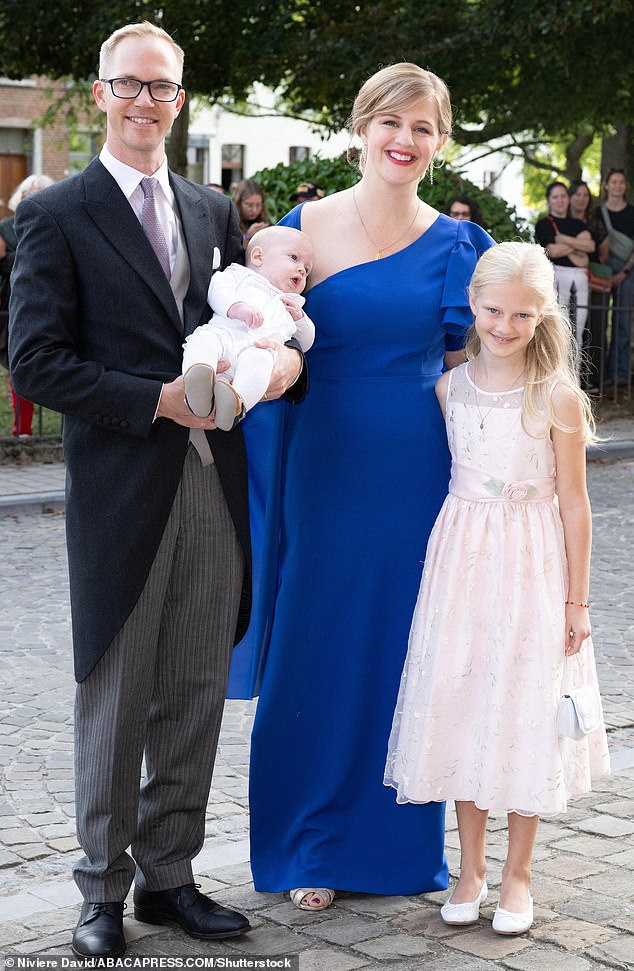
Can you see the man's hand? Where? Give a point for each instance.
(286, 370)
(172, 405)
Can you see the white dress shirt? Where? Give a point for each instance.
(129, 181)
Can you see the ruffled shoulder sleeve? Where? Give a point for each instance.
(293, 218)
(469, 244)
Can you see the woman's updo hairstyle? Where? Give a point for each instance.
(393, 89)
(396, 87)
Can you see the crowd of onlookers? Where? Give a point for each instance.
(592, 247)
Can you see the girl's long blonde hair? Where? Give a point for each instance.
(552, 355)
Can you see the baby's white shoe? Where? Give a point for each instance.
(199, 389)
(229, 405)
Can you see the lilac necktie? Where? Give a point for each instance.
(152, 225)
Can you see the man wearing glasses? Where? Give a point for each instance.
(111, 275)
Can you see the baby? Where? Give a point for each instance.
(259, 300)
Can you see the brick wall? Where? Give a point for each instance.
(22, 104)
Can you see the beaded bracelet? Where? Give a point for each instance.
(575, 603)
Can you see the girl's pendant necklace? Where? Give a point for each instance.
(380, 250)
(483, 417)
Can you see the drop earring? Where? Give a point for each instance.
(431, 172)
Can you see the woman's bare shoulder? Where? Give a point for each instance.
(322, 211)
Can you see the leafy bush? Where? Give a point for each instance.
(333, 174)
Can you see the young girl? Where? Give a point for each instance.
(501, 623)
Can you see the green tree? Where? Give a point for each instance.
(62, 40)
(557, 69)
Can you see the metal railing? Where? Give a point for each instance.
(606, 363)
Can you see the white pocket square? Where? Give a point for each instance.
(215, 261)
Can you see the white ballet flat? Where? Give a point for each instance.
(464, 913)
(506, 922)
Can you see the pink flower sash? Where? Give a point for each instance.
(476, 485)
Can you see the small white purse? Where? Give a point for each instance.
(579, 712)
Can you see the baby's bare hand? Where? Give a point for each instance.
(296, 312)
(245, 312)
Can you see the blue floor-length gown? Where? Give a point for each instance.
(365, 471)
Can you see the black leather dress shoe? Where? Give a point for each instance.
(186, 906)
(99, 932)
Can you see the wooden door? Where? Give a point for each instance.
(13, 169)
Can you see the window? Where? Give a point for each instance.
(13, 141)
(198, 162)
(298, 153)
(232, 164)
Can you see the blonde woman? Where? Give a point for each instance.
(366, 470)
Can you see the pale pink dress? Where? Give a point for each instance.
(476, 711)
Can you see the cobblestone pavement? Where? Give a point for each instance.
(584, 862)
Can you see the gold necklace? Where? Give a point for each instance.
(484, 417)
(381, 250)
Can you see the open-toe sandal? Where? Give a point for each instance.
(299, 894)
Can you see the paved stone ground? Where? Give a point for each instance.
(584, 862)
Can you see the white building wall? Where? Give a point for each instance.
(267, 139)
(499, 173)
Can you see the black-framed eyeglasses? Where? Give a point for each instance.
(132, 87)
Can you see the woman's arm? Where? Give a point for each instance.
(583, 243)
(604, 249)
(574, 509)
(556, 250)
